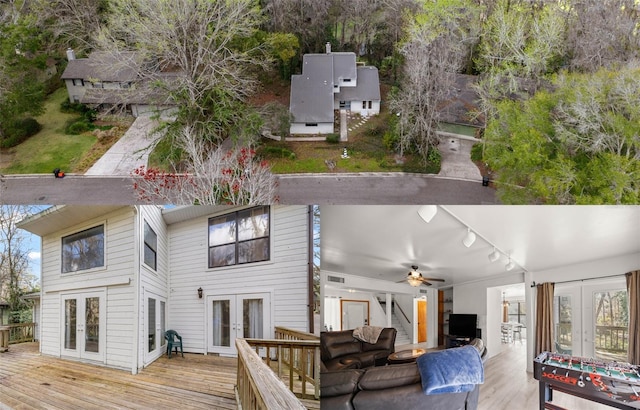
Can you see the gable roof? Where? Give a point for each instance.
(103, 66)
(367, 88)
(311, 98)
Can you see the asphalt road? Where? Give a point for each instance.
(321, 189)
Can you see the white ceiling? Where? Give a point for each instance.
(384, 241)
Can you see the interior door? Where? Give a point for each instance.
(422, 320)
(84, 325)
(246, 315)
(354, 313)
(155, 326)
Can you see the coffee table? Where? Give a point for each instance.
(405, 356)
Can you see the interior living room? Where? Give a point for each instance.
(427, 270)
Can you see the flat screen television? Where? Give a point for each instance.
(463, 325)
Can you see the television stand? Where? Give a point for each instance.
(456, 341)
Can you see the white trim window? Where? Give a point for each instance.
(83, 250)
(150, 247)
(239, 237)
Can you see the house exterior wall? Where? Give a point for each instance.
(152, 282)
(302, 128)
(356, 107)
(116, 279)
(74, 90)
(284, 275)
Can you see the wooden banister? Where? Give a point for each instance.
(258, 387)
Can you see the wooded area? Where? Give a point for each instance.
(555, 77)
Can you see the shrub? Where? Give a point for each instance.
(434, 157)
(476, 152)
(76, 127)
(333, 138)
(19, 131)
(279, 152)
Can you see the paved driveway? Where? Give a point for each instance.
(130, 152)
(456, 159)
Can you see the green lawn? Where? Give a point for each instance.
(365, 148)
(51, 148)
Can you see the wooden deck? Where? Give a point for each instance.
(29, 380)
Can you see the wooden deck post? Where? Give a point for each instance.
(4, 338)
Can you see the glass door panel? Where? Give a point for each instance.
(92, 325)
(220, 317)
(70, 324)
(611, 338)
(151, 328)
(252, 318)
(563, 321)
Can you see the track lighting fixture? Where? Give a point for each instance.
(469, 239)
(427, 212)
(510, 265)
(494, 256)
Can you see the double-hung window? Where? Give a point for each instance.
(83, 250)
(240, 237)
(150, 246)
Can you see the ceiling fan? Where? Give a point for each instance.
(415, 278)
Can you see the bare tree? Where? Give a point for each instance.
(213, 175)
(77, 21)
(308, 19)
(432, 57)
(14, 261)
(603, 33)
(197, 51)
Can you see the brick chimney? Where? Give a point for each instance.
(71, 55)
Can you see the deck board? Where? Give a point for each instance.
(30, 380)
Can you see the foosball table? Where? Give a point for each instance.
(612, 383)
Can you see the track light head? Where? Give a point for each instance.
(469, 239)
(510, 265)
(427, 212)
(494, 256)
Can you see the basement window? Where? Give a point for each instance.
(311, 124)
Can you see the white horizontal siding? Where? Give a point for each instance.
(285, 275)
(120, 299)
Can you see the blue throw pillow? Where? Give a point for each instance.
(454, 370)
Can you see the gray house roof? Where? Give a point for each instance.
(103, 66)
(367, 88)
(312, 91)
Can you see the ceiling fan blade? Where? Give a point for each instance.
(434, 279)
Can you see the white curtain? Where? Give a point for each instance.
(216, 325)
(253, 312)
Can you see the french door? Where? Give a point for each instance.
(155, 326)
(246, 315)
(84, 325)
(592, 321)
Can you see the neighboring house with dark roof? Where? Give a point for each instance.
(105, 80)
(329, 82)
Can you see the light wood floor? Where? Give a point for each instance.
(508, 386)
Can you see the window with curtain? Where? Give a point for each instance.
(83, 250)
(240, 237)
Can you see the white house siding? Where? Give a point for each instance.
(74, 90)
(302, 128)
(356, 107)
(114, 279)
(285, 275)
(154, 282)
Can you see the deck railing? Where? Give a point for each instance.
(21, 332)
(258, 387)
(612, 338)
